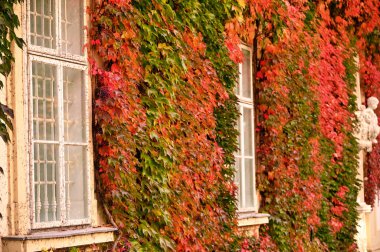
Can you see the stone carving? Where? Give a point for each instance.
(368, 124)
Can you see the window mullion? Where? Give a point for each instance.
(61, 168)
(36, 208)
(58, 27)
(35, 19)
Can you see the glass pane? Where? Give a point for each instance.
(74, 105)
(246, 75)
(75, 182)
(42, 23)
(248, 131)
(72, 26)
(45, 182)
(45, 106)
(249, 182)
(237, 181)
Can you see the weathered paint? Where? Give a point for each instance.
(57, 239)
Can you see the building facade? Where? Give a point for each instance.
(47, 190)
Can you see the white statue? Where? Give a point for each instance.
(368, 124)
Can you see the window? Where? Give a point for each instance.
(59, 113)
(245, 156)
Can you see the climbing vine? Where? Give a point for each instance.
(165, 114)
(306, 103)
(163, 77)
(8, 23)
(307, 154)
(165, 118)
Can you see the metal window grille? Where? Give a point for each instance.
(55, 27)
(59, 114)
(66, 24)
(245, 156)
(71, 27)
(42, 23)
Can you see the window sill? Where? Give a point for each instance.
(249, 223)
(57, 239)
(252, 219)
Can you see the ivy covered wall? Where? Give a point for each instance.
(165, 115)
(165, 112)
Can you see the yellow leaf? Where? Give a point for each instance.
(241, 3)
(240, 17)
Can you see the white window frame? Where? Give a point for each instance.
(57, 52)
(59, 60)
(244, 102)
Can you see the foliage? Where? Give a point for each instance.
(253, 244)
(85, 248)
(8, 23)
(305, 83)
(165, 163)
(165, 114)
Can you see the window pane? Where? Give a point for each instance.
(246, 75)
(44, 92)
(74, 105)
(249, 185)
(237, 86)
(45, 182)
(237, 181)
(239, 136)
(42, 23)
(75, 182)
(248, 139)
(72, 26)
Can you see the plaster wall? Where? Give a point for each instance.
(3, 174)
(373, 227)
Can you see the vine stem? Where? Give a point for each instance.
(110, 218)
